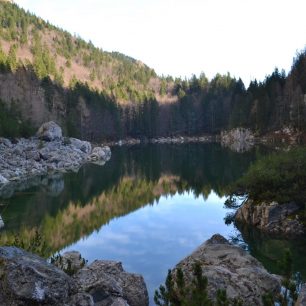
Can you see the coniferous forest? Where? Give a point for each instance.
(98, 95)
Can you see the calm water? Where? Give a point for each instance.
(148, 207)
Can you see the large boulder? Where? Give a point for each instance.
(100, 153)
(231, 268)
(49, 131)
(27, 279)
(273, 218)
(106, 281)
(83, 146)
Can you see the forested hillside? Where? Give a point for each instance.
(48, 74)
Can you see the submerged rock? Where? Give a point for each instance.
(27, 279)
(230, 268)
(49, 131)
(273, 218)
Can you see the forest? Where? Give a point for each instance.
(124, 97)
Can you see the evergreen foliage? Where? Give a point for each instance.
(277, 177)
(199, 106)
(176, 292)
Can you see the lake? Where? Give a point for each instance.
(148, 207)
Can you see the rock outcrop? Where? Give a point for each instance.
(49, 131)
(107, 282)
(272, 218)
(47, 153)
(231, 268)
(27, 279)
(238, 139)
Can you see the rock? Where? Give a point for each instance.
(49, 131)
(84, 146)
(81, 299)
(100, 153)
(34, 156)
(5, 142)
(231, 268)
(301, 301)
(238, 139)
(272, 217)
(27, 279)
(72, 261)
(106, 281)
(3, 180)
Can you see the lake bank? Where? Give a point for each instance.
(45, 154)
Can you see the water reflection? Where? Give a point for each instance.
(156, 237)
(148, 207)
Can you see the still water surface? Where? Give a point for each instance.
(148, 207)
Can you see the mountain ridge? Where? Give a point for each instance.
(38, 83)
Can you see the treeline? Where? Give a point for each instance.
(198, 105)
(224, 103)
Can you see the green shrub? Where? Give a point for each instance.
(279, 177)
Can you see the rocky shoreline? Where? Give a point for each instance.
(27, 279)
(272, 218)
(46, 153)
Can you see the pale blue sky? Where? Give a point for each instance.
(179, 37)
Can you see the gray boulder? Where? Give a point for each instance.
(49, 131)
(231, 268)
(100, 153)
(106, 281)
(83, 146)
(27, 279)
(272, 217)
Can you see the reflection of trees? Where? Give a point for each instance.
(133, 178)
(77, 220)
(269, 250)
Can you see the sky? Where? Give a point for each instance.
(247, 38)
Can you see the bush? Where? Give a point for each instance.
(279, 177)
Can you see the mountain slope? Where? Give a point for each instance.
(48, 74)
(66, 59)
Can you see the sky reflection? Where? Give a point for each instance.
(155, 238)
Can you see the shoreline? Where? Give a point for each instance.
(47, 153)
